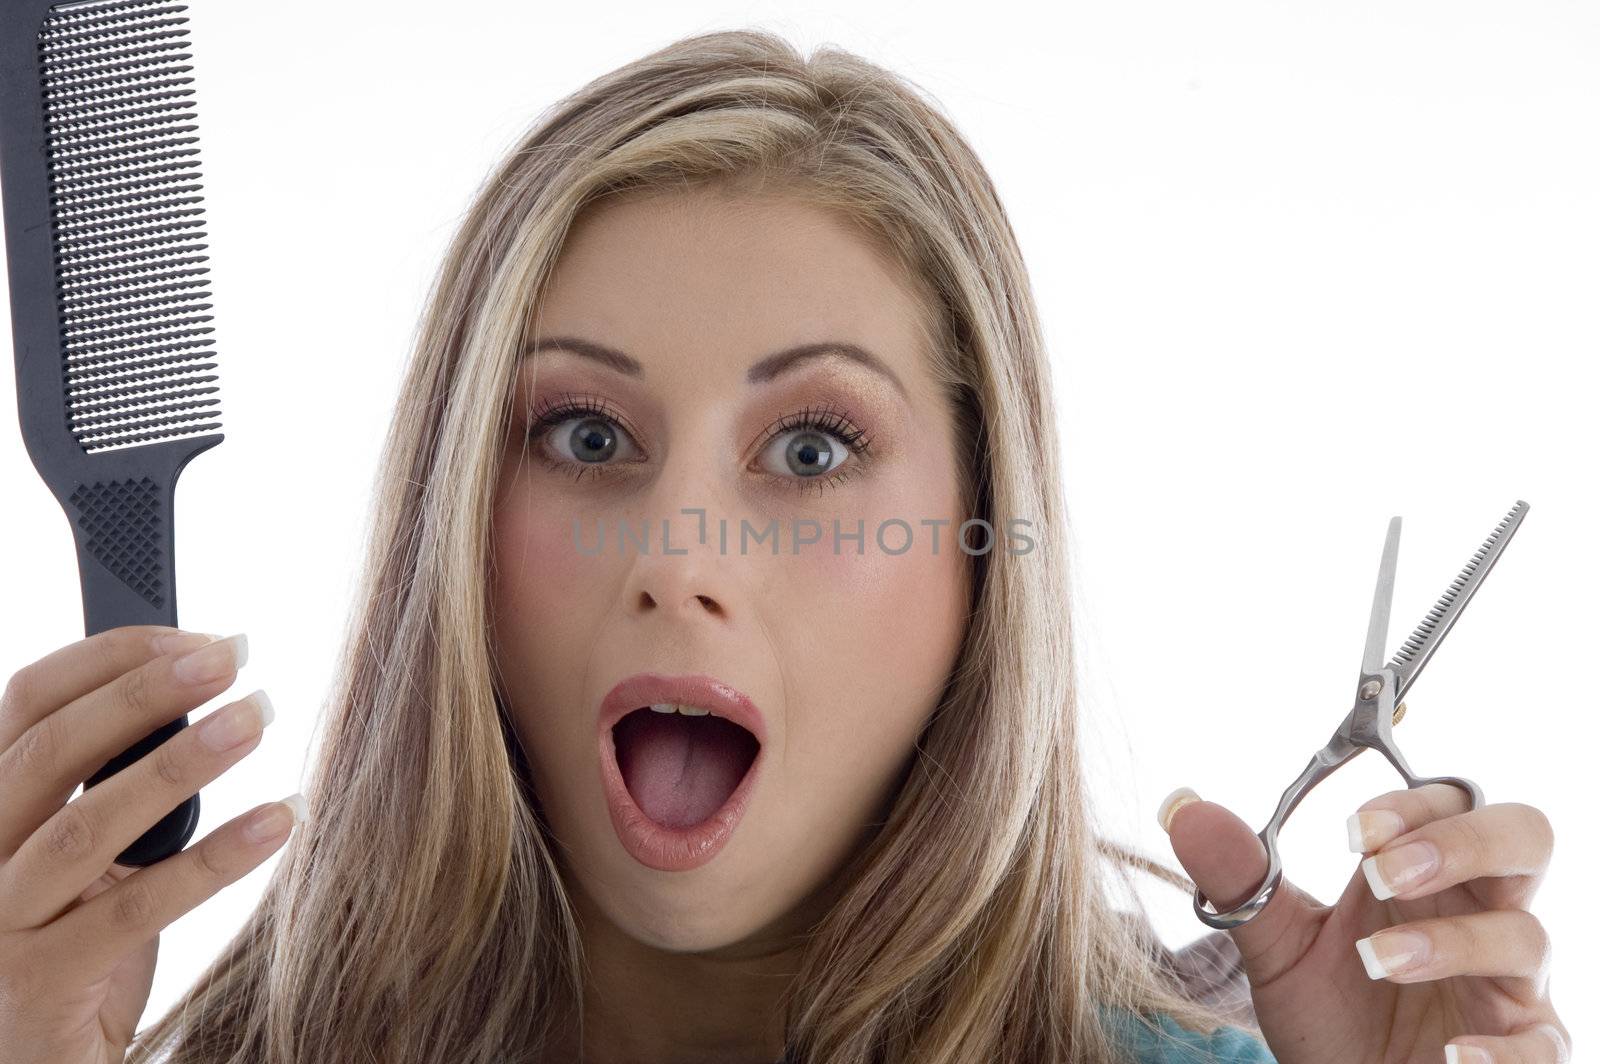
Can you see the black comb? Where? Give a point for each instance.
(99, 174)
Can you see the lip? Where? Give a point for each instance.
(656, 845)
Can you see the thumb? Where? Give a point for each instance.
(1228, 861)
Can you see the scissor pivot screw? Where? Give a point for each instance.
(1399, 711)
(1370, 689)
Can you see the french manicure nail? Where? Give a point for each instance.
(212, 661)
(232, 725)
(1373, 829)
(276, 818)
(1400, 869)
(1171, 804)
(1454, 1054)
(1389, 952)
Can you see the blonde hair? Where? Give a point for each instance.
(418, 917)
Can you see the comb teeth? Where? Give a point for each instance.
(1418, 641)
(127, 223)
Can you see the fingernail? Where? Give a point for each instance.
(1389, 952)
(230, 726)
(212, 661)
(1563, 1047)
(174, 642)
(277, 818)
(1454, 1054)
(1171, 804)
(1373, 829)
(1400, 869)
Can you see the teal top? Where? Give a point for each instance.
(1225, 1045)
(1176, 1045)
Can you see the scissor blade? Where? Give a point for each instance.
(1419, 647)
(1378, 627)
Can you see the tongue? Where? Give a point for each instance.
(681, 769)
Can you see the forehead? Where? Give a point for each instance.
(721, 273)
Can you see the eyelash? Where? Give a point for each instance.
(824, 419)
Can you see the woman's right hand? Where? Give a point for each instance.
(79, 932)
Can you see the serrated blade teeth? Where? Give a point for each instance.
(1421, 643)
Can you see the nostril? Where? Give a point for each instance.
(648, 601)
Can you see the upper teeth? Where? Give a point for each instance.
(673, 707)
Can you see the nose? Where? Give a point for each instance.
(685, 572)
(684, 582)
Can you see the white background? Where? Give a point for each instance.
(1302, 267)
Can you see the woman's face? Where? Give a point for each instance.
(842, 645)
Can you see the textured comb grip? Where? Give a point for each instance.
(123, 529)
(120, 524)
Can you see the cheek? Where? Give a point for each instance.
(548, 606)
(539, 570)
(874, 637)
(888, 624)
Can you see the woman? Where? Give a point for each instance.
(671, 730)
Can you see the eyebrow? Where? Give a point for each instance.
(765, 370)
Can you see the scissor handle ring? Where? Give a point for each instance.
(1247, 911)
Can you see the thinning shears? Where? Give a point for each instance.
(1378, 689)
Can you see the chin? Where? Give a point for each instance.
(679, 913)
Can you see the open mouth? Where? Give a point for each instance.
(681, 768)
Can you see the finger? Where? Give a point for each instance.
(1386, 817)
(66, 745)
(1510, 945)
(1541, 1043)
(75, 846)
(1506, 840)
(100, 933)
(40, 688)
(1228, 862)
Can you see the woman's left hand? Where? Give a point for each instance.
(1468, 965)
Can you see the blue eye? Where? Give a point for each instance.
(808, 447)
(584, 434)
(806, 452)
(810, 450)
(591, 439)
